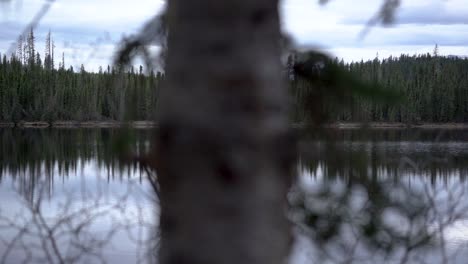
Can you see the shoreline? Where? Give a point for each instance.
(152, 124)
(396, 125)
(79, 124)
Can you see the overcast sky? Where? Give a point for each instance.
(87, 30)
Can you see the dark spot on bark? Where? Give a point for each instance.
(164, 144)
(259, 16)
(225, 174)
(250, 106)
(241, 87)
(286, 157)
(167, 223)
(181, 258)
(241, 82)
(220, 48)
(166, 134)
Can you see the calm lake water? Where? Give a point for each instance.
(65, 197)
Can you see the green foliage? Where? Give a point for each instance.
(407, 89)
(45, 153)
(33, 90)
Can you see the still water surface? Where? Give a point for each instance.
(65, 197)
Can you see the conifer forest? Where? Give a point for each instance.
(252, 132)
(433, 88)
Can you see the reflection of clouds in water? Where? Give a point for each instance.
(93, 174)
(408, 147)
(432, 172)
(450, 212)
(116, 216)
(457, 234)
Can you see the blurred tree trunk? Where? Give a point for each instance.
(224, 151)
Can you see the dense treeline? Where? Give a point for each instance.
(36, 90)
(434, 89)
(38, 154)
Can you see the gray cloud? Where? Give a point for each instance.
(449, 35)
(431, 15)
(87, 30)
(10, 30)
(430, 12)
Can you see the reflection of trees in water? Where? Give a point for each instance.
(59, 222)
(79, 226)
(33, 154)
(349, 214)
(354, 154)
(381, 196)
(379, 221)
